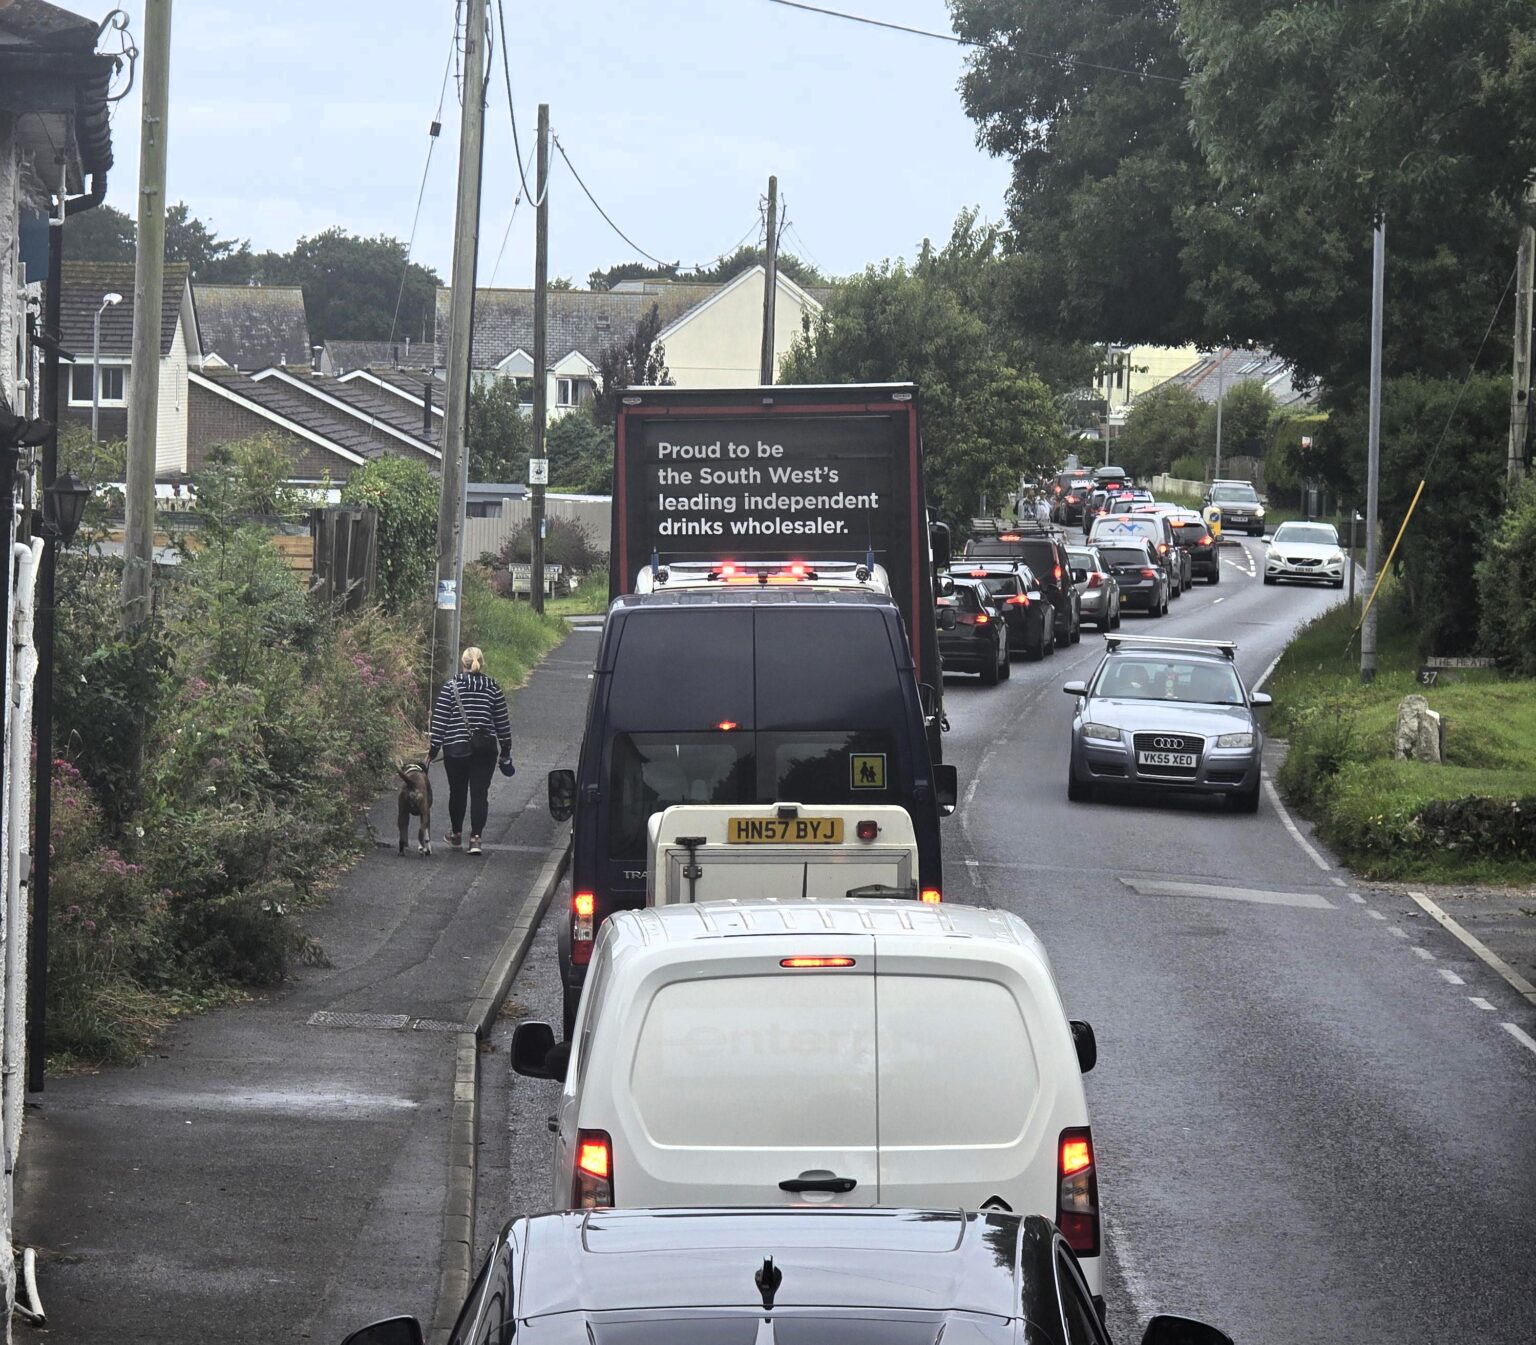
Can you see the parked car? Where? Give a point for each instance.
(727, 1054)
(1098, 590)
(1242, 508)
(1169, 714)
(686, 1277)
(1043, 548)
(1139, 575)
(1307, 552)
(976, 640)
(1030, 620)
(1154, 528)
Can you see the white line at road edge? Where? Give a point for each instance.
(1264, 676)
(1290, 826)
(1524, 1038)
(1143, 1299)
(1523, 986)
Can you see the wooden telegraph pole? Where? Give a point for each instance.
(538, 469)
(466, 241)
(770, 281)
(1520, 392)
(148, 282)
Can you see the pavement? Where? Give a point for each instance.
(282, 1169)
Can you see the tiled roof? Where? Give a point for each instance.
(363, 403)
(80, 296)
(45, 26)
(588, 321)
(49, 67)
(272, 394)
(253, 327)
(1222, 370)
(346, 356)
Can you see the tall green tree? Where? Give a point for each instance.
(214, 260)
(1162, 426)
(500, 432)
(104, 234)
(640, 360)
(726, 268)
(351, 284)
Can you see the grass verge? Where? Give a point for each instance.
(513, 636)
(1472, 819)
(590, 599)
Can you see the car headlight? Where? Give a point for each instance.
(1103, 732)
(1337, 558)
(1258, 511)
(1235, 740)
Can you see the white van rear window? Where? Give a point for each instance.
(759, 1060)
(956, 1063)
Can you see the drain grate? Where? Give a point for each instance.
(325, 1018)
(437, 1025)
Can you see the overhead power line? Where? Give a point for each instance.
(609, 218)
(517, 146)
(1057, 58)
(507, 232)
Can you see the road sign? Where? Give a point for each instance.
(538, 471)
(866, 770)
(1212, 515)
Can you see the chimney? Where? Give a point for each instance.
(426, 411)
(315, 360)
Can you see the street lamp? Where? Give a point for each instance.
(63, 507)
(107, 300)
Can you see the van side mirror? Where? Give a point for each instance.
(535, 1054)
(1087, 1045)
(940, 544)
(1075, 688)
(928, 699)
(944, 586)
(948, 618)
(562, 794)
(1165, 1330)
(1079, 576)
(392, 1331)
(946, 788)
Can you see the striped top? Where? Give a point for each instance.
(484, 706)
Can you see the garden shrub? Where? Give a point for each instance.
(406, 495)
(1506, 586)
(566, 543)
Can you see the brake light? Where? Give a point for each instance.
(727, 570)
(1095, 579)
(1071, 499)
(1162, 548)
(814, 963)
(1206, 540)
(1056, 570)
(1008, 537)
(930, 896)
(1018, 600)
(726, 725)
(978, 574)
(982, 618)
(1077, 1195)
(583, 908)
(593, 1187)
(799, 571)
(867, 831)
(1148, 573)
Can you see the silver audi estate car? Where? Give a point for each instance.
(1168, 715)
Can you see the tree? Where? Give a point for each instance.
(406, 495)
(500, 432)
(351, 285)
(1248, 411)
(986, 422)
(580, 454)
(104, 234)
(1163, 425)
(722, 270)
(639, 361)
(213, 259)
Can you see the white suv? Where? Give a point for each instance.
(815, 1052)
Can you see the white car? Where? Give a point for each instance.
(1305, 551)
(812, 1052)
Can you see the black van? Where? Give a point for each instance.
(747, 695)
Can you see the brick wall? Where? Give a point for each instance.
(213, 420)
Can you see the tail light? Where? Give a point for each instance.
(1071, 499)
(583, 909)
(1162, 548)
(1095, 579)
(1077, 1195)
(867, 831)
(930, 896)
(981, 618)
(1018, 600)
(1056, 570)
(1148, 573)
(593, 1186)
(1206, 540)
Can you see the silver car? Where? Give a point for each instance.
(1170, 715)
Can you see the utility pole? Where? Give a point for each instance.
(1520, 393)
(461, 308)
(540, 359)
(1221, 395)
(148, 282)
(770, 282)
(1373, 451)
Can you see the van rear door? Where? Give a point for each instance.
(752, 1079)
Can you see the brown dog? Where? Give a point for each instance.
(415, 801)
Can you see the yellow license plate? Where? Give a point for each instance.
(785, 831)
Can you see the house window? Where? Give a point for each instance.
(113, 384)
(566, 390)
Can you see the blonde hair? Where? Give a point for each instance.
(472, 659)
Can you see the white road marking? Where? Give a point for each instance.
(1450, 976)
(1424, 953)
(1214, 601)
(1264, 676)
(1290, 826)
(1376, 915)
(1357, 898)
(1481, 1003)
(1144, 1298)
(1225, 893)
(1398, 931)
(1526, 989)
(1524, 1038)
(1336, 880)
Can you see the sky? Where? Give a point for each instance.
(294, 116)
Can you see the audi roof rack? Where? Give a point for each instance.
(1226, 647)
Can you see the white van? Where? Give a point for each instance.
(822, 1052)
(758, 851)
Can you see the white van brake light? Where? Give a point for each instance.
(814, 963)
(593, 1187)
(1077, 1199)
(583, 909)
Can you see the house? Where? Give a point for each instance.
(712, 334)
(342, 357)
(84, 293)
(1212, 375)
(252, 327)
(1130, 371)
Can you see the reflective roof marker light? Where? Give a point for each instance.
(930, 896)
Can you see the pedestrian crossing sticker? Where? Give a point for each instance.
(866, 770)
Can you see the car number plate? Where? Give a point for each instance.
(784, 831)
(1167, 759)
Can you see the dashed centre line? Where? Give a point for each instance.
(1450, 976)
(1397, 931)
(1376, 915)
(1357, 898)
(1520, 1035)
(1424, 953)
(1481, 1003)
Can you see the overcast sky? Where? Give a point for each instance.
(292, 116)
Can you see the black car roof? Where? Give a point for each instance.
(745, 595)
(934, 1261)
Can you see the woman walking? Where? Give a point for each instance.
(472, 730)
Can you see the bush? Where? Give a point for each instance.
(1506, 586)
(580, 454)
(406, 495)
(1498, 828)
(566, 543)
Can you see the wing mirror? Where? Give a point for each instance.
(1034, 595)
(562, 794)
(940, 544)
(944, 586)
(535, 1053)
(1075, 688)
(1079, 576)
(1165, 1330)
(946, 788)
(948, 618)
(393, 1331)
(1087, 1045)
(1259, 699)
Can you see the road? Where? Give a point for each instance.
(1309, 1128)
